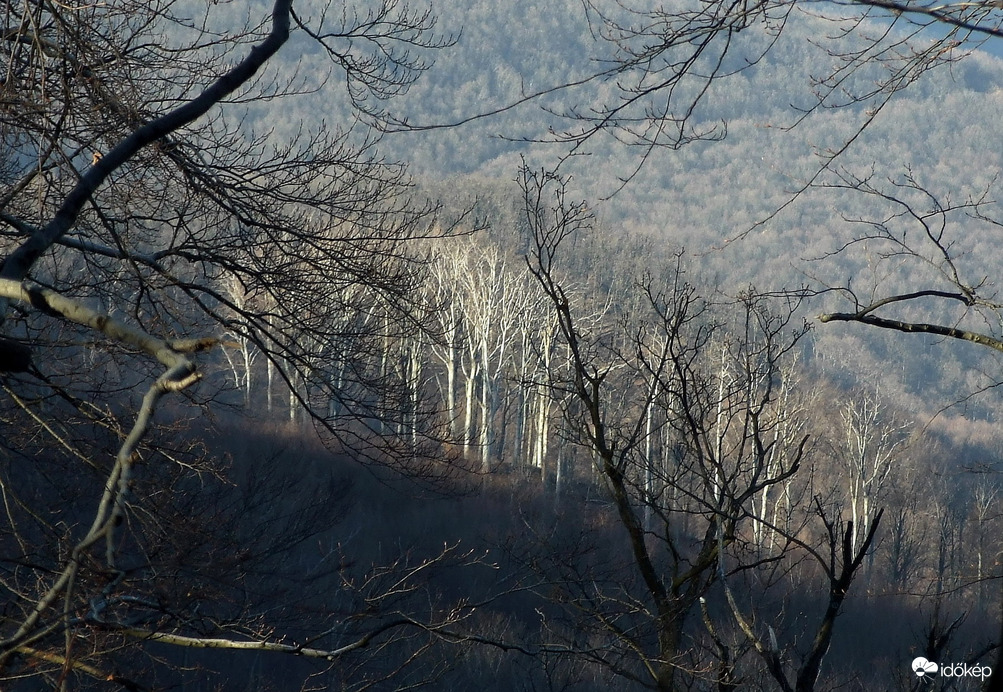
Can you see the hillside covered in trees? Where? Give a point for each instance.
(720, 199)
(477, 348)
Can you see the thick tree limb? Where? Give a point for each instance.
(168, 353)
(913, 327)
(256, 645)
(332, 654)
(951, 14)
(180, 373)
(19, 263)
(839, 586)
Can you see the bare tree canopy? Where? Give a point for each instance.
(148, 216)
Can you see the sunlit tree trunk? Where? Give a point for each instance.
(470, 379)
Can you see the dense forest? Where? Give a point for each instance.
(499, 346)
(705, 195)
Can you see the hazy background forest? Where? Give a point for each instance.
(705, 195)
(764, 466)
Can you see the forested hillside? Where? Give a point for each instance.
(498, 346)
(705, 197)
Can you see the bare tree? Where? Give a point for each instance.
(144, 219)
(686, 517)
(941, 297)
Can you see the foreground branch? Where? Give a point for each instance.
(168, 353)
(19, 263)
(913, 327)
(950, 13)
(180, 373)
(254, 645)
(332, 654)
